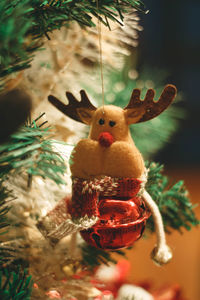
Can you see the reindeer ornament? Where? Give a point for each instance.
(109, 174)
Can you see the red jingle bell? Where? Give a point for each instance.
(120, 224)
(121, 218)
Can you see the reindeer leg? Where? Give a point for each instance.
(161, 254)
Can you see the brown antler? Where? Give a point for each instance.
(70, 109)
(152, 108)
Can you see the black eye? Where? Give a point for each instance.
(101, 121)
(112, 123)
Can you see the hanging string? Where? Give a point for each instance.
(100, 55)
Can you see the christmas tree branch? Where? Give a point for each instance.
(173, 201)
(15, 285)
(93, 257)
(24, 22)
(50, 15)
(5, 195)
(17, 46)
(6, 252)
(31, 150)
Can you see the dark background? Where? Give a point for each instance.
(171, 41)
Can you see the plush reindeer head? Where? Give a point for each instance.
(110, 123)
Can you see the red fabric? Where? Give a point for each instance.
(86, 194)
(128, 187)
(83, 204)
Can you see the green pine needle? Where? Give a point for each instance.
(6, 253)
(24, 22)
(93, 257)
(15, 285)
(16, 47)
(5, 195)
(173, 201)
(31, 150)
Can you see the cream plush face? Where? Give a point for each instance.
(109, 119)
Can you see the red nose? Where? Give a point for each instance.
(106, 139)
